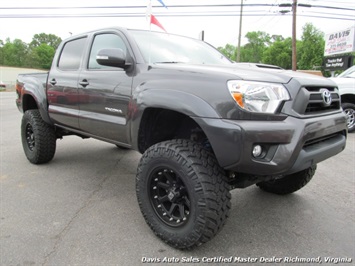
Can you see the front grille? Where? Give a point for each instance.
(321, 139)
(316, 103)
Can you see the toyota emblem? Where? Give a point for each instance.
(326, 96)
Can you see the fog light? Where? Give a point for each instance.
(257, 151)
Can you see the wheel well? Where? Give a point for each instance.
(348, 98)
(158, 125)
(28, 103)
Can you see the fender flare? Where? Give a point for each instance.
(179, 101)
(173, 100)
(35, 89)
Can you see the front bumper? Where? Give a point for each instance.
(290, 145)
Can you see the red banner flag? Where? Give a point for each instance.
(154, 20)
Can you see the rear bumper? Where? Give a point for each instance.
(290, 145)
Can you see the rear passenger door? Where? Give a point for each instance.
(105, 92)
(62, 87)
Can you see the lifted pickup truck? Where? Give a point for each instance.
(204, 124)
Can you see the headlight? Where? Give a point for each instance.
(258, 96)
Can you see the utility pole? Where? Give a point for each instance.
(202, 35)
(294, 37)
(240, 30)
(2, 60)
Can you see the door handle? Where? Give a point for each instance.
(84, 83)
(53, 82)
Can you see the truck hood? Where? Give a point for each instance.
(246, 72)
(344, 82)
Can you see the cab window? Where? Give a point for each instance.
(71, 55)
(104, 41)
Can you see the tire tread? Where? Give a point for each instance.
(45, 138)
(211, 185)
(289, 183)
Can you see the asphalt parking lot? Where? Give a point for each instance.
(81, 209)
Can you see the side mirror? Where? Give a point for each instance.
(113, 57)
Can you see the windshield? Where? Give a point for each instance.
(159, 47)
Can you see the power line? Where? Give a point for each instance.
(206, 13)
(334, 2)
(334, 7)
(315, 16)
(332, 14)
(236, 14)
(129, 7)
(269, 10)
(174, 6)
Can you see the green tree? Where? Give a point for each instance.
(41, 50)
(254, 49)
(229, 51)
(42, 56)
(1, 52)
(15, 53)
(37, 54)
(275, 38)
(279, 53)
(43, 38)
(311, 49)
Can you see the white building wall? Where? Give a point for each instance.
(8, 75)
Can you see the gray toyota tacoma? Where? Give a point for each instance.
(205, 125)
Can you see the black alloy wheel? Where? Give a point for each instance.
(349, 111)
(30, 138)
(38, 138)
(169, 197)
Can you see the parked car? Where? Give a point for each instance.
(2, 85)
(346, 85)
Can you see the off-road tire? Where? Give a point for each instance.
(349, 110)
(289, 183)
(181, 172)
(38, 138)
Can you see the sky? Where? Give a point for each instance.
(22, 18)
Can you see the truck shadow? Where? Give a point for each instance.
(258, 220)
(267, 222)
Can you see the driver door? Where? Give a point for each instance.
(104, 93)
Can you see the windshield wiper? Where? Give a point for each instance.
(170, 62)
